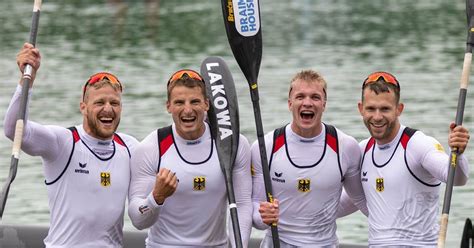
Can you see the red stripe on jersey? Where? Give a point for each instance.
(118, 140)
(332, 142)
(75, 136)
(165, 144)
(279, 142)
(404, 140)
(369, 144)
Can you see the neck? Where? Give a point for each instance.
(391, 136)
(307, 132)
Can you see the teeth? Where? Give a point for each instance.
(307, 112)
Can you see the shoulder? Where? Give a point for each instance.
(363, 144)
(347, 141)
(422, 142)
(128, 139)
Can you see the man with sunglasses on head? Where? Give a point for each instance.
(309, 163)
(177, 187)
(86, 167)
(402, 169)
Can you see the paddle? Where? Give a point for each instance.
(467, 240)
(242, 23)
(223, 116)
(27, 74)
(453, 158)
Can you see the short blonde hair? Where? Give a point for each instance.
(309, 76)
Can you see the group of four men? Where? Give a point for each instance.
(176, 188)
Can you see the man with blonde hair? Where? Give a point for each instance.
(309, 163)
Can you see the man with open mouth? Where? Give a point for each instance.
(86, 167)
(177, 188)
(309, 163)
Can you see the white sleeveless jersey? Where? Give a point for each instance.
(402, 197)
(87, 198)
(198, 206)
(307, 179)
(195, 215)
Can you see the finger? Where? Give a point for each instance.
(452, 125)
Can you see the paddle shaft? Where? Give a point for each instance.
(453, 158)
(263, 156)
(21, 119)
(233, 208)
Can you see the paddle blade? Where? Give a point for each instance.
(223, 114)
(242, 24)
(470, 21)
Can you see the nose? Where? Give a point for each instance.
(307, 101)
(187, 108)
(377, 115)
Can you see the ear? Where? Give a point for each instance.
(400, 108)
(360, 106)
(168, 106)
(82, 107)
(206, 102)
(289, 104)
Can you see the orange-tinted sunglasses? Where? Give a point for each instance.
(387, 77)
(190, 73)
(100, 76)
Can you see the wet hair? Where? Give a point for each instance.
(309, 76)
(380, 86)
(188, 82)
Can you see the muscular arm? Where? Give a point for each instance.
(143, 209)
(436, 161)
(243, 190)
(351, 156)
(258, 185)
(38, 140)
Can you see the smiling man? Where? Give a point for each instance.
(86, 167)
(177, 187)
(402, 169)
(310, 163)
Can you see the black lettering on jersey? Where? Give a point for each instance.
(379, 184)
(105, 179)
(304, 185)
(199, 183)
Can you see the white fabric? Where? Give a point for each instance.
(307, 218)
(189, 217)
(405, 212)
(83, 213)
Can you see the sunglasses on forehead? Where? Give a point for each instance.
(99, 77)
(181, 73)
(387, 77)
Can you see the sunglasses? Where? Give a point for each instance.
(387, 77)
(181, 73)
(99, 77)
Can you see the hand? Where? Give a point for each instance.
(269, 212)
(458, 137)
(28, 55)
(165, 185)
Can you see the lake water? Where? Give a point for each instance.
(422, 42)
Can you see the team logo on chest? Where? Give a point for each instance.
(105, 179)
(379, 184)
(199, 183)
(304, 185)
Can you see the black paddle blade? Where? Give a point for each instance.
(470, 21)
(223, 114)
(242, 24)
(467, 235)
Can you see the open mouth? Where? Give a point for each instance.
(188, 119)
(377, 125)
(306, 115)
(106, 120)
